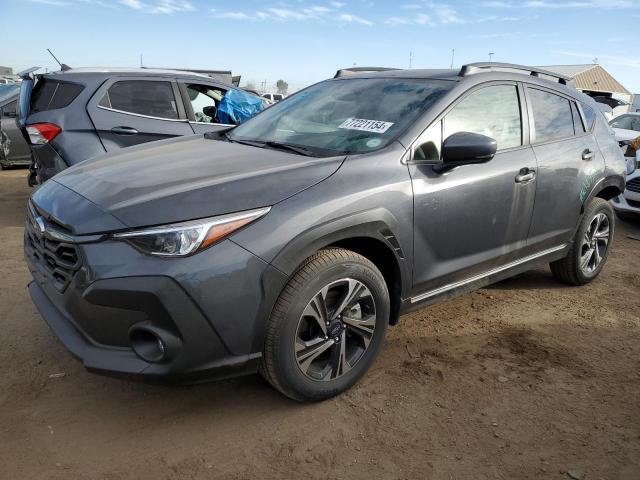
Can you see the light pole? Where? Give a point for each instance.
(491, 54)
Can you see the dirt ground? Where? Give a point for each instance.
(526, 379)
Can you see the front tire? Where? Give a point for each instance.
(591, 245)
(327, 326)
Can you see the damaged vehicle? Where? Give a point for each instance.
(626, 128)
(14, 150)
(288, 244)
(79, 113)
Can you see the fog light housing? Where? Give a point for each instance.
(152, 344)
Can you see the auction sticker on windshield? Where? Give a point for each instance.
(374, 126)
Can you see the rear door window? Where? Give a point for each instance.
(205, 100)
(552, 115)
(142, 97)
(50, 94)
(492, 111)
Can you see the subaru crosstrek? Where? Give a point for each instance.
(288, 244)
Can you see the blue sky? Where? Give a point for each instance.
(304, 41)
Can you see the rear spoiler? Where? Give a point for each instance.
(28, 81)
(26, 74)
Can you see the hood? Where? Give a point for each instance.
(624, 134)
(192, 177)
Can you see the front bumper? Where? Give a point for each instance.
(214, 304)
(629, 200)
(201, 356)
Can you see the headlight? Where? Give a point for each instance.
(631, 165)
(182, 239)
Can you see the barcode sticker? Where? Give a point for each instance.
(374, 126)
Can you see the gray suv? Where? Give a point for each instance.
(288, 244)
(79, 113)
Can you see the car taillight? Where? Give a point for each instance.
(41, 133)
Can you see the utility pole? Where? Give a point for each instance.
(141, 61)
(491, 54)
(410, 58)
(453, 52)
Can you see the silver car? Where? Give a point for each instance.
(627, 128)
(14, 150)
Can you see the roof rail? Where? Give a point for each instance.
(473, 68)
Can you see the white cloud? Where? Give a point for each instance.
(329, 12)
(433, 13)
(159, 6)
(349, 18)
(613, 60)
(144, 6)
(546, 4)
(136, 4)
(496, 35)
(419, 19)
(55, 3)
(446, 13)
(233, 15)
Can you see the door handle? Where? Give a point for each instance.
(525, 175)
(587, 154)
(124, 131)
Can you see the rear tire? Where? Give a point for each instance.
(591, 245)
(336, 304)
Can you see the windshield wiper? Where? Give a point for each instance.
(251, 143)
(275, 145)
(292, 148)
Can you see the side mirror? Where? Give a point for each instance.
(463, 148)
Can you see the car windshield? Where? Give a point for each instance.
(626, 122)
(343, 116)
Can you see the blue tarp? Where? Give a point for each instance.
(237, 106)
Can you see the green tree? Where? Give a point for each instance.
(282, 87)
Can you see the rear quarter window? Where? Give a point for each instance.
(142, 97)
(577, 121)
(589, 115)
(49, 94)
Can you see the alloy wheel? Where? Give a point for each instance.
(335, 329)
(594, 243)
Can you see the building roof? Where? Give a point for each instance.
(590, 77)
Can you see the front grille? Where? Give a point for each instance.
(633, 203)
(634, 185)
(51, 250)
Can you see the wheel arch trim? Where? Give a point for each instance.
(377, 224)
(615, 181)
